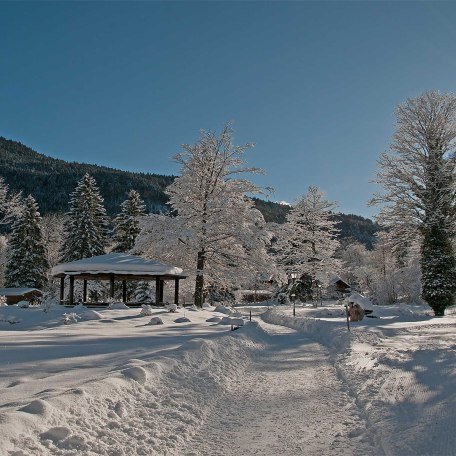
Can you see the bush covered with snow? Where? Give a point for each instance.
(172, 308)
(223, 309)
(146, 310)
(3, 301)
(68, 318)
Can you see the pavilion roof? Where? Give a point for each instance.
(116, 263)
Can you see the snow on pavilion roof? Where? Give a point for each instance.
(116, 263)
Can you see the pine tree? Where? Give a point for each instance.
(27, 258)
(307, 241)
(126, 224)
(419, 181)
(85, 227)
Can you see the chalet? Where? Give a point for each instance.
(15, 295)
(339, 286)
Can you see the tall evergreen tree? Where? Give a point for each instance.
(126, 224)
(85, 227)
(419, 181)
(27, 259)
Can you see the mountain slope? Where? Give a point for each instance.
(51, 181)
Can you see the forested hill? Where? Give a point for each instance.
(51, 181)
(350, 225)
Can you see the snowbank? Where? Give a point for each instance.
(154, 405)
(331, 334)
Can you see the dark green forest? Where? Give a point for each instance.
(51, 181)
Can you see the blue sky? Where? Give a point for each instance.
(314, 85)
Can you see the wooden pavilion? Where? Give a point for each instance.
(114, 267)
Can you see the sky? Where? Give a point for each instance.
(313, 84)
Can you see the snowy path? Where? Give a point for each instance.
(289, 402)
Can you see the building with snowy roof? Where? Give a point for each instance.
(114, 267)
(15, 295)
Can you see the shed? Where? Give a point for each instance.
(15, 295)
(340, 285)
(117, 267)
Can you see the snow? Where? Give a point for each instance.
(358, 298)
(278, 385)
(116, 263)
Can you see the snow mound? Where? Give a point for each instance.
(182, 320)
(330, 334)
(136, 373)
(11, 319)
(155, 321)
(223, 310)
(358, 298)
(117, 306)
(192, 308)
(213, 320)
(56, 434)
(172, 308)
(90, 314)
(36, 407)
(206, 305)
(146, 310)
(23, 304)
(231, 321)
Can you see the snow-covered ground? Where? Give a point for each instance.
(112, 384)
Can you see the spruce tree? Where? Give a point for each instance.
(126, 224)
(85, 227)
(27, 259)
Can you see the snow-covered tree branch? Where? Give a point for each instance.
(218, 235)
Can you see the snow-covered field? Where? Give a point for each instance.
(112, 384)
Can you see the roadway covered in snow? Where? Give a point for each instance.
(113, 384)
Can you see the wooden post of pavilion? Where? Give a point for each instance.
(62, 289)
(157, 291)
(176, 291)
(124, 290)
(71, 300)
(162, 286)
(111, 286)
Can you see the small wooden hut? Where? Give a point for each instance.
(15, 295)
(114, 267)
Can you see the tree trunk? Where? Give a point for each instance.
(199, 282)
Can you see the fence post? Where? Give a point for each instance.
(348, 319)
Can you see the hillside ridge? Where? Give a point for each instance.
(51, 180)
